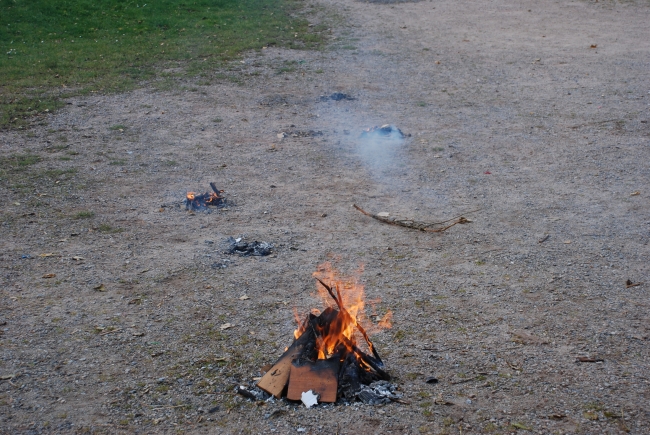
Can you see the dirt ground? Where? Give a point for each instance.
(529, 118)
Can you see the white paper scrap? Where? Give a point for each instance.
(309, 398)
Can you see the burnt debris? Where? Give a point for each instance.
(245, 249)
(300, 133)
(379, 393)
(337, 96)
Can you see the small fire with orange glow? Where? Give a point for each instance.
(344, 299)
(332, 354)
(194, 201)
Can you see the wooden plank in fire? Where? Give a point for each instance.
(321, 377)
(275, 380)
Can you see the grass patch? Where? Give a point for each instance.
(62, 174)
(84, 46)
(86, 214)
(19, 162)
(105, 228)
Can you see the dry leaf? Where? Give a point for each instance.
(383, 214)
(77, 258)
(243, 298)
(100, 288)
(49, 275)
(138, 334)
(635, 193)
(567, 242)
(594, 46)
(49, 254)
(226, 326)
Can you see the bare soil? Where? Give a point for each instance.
(534, 113)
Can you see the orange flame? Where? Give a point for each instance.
(343, 317)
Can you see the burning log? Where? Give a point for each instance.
(415, 225)
(200, 202)
(324, 357)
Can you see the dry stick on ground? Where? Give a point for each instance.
(415, 225)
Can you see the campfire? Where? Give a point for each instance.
(326, 359)
(201, 202)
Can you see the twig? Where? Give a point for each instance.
(543, 239)
(415, 225)
(329, 290)
(247, 394)
(110, 332)
(398, 400)
(168, 407)
(464, 381)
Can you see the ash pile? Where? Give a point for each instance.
(245, 249)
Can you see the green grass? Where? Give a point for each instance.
(19, 162)
(83, 46)
(105, 228)
(64, 174)
(85, 215)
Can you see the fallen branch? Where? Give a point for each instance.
(415, 225)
